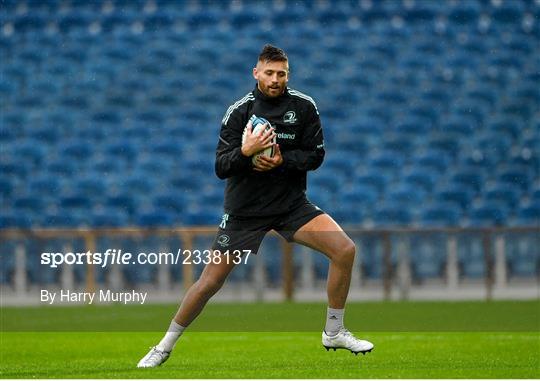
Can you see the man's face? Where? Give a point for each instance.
(272, 77)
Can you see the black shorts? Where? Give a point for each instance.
(246, 233)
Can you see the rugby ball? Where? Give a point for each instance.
(258, 124)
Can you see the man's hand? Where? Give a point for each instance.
(265, 163)
(257, 142)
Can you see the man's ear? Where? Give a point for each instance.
(255, 73)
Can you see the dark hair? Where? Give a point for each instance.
(272, 53)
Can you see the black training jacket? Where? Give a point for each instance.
(295, 118)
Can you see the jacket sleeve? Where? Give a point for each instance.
(311, 153)
(229, 158)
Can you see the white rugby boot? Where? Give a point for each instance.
(153, 358)
(346, 340)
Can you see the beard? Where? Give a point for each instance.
(272, 91)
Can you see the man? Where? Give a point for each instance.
(270, 194)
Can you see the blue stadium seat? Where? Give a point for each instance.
(106, 167)
(204, 216)
(407, 195)
(448, 144)
(326, 180)
(121, 201)
(398, 143)
(29, 204)
(469, 177)
(529, 214)
(473, 108)
(527, 158)
(246, 18)
(348, 214)
(360, 195)
(504, 194)
(167, 147)
(173, 202)
(339, 163)
(108, 219)
(456, 194)
(480, 159)
(212, 196)
(75, 150)
(31, 21)
(13, 169)
(160, 19)
(374, 13)
(45, 135)
(435, 159)
(532, 143)
(61, 219)
(517, 176)
(137, 183)
(75, 20)
(421, 177)
(10, 219)
(154, 218)
(6, 187)
(91, 185)
(389, 162)
(351, 143)
(457, 126)
(184, 182)
(321, 198)
(527, 93)
(117, 19)
(535, 194)
(75, 201)
(7, 134)
(440, 215)
(488, 214)
(508, 12)
(505, 125)
(426, 111)
(391, 214)
(373, 179)
(466, 13)
(518, 110)
(435, 95)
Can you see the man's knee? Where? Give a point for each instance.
(344, 252)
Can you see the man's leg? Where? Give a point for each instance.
(210, 281)
(323, 234)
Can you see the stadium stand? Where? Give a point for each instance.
(111, 110)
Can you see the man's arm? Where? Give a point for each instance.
(229, 158)
(311, 154)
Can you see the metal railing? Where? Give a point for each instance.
(493, 245)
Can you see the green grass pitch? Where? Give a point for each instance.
(412, 340)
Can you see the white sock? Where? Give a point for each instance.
(334, 321)
(169, 340)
